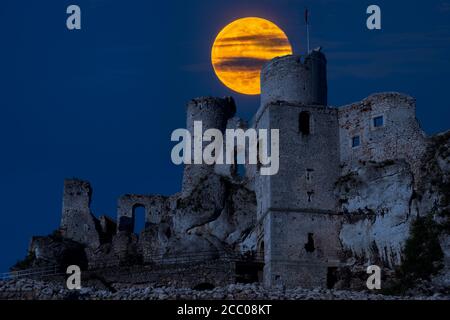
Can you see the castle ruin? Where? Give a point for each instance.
(351, 181)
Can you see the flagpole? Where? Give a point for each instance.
(307, 35)
(307, 29)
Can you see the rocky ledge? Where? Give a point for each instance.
(37, 290)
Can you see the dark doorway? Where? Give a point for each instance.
(249, 272)
(304, 123)
(332, 278)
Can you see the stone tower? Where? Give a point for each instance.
(296, 206)
(77, 221)
(214, 114)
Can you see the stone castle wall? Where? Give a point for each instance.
(214, 114)
(294, 80)
(400, 137)
(77, 221)
(301, 247)
(154, 206)
(309, 163)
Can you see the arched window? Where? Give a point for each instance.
(138, 218)
(304, 120)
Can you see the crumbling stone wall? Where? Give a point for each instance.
(214, 114)
(400, 137)
(108, 228)
(77, 222)
(55, 250)
(227, 170)
(300, 247)
(214, 272)
(154, 206)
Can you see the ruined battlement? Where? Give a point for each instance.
(127, 204)
(212, 111)
(398, 98)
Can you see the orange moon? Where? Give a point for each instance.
(242, 48)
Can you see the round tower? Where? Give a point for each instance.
(214, 114)
(292, 80)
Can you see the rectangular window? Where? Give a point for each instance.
(378, 121)
(356, 141)
(309, 173)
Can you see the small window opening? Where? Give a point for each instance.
(310, 195)
(309, 173)
(378, 121)
(304, 123)
(309, 246)
(356, 141)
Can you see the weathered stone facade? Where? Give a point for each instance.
(77, 222)
(351, 181)
(400, 135)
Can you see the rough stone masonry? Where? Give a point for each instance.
(352, 182)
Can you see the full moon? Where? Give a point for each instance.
(242, 48)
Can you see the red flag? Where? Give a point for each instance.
(306, 16)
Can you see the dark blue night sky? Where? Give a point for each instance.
(100, 103)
